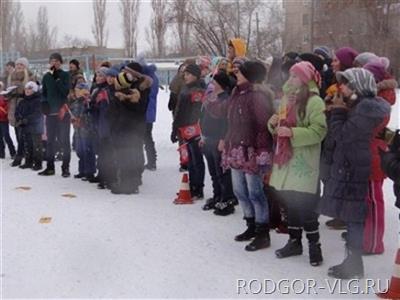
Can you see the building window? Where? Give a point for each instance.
(306, 38)
(306, 20)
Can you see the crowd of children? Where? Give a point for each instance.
(288, 140)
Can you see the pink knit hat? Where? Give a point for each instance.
(306, 72)
(346, 56)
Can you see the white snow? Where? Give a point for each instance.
(100, 245)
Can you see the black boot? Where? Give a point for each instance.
(224, 208)
(314, 250)
(262, 239)
(351, 268)
(65, 172)
(47, 172)
(293, 247)
(27, 165)
(16, 162)
(210, 203)
(37, 166)
(336, 224)
(249, 233)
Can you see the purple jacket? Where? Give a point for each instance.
(248, 144)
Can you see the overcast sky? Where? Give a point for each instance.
(76, 18)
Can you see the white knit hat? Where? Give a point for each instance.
(23, 61)
(32, 86)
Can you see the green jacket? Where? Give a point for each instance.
(301, 173)
(55, 91)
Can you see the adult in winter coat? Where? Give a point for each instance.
(248, 150)
(299, 129)
(375, 221)
(187, 129)
(29, 119)
(149, 145)
(127, 115)
(18, 78)
(391, 165)
(4, 127)
(352, 125)
(342, 60)
(55, 89)
(213, 133)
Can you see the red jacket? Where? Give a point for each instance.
(386, 90)
(3, 109)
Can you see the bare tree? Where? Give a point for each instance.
(6, 19)
(46, 36)
(130, 14)
(159, 25)
(180, 15)
(18, 29)
(73, 41)
(99, 28)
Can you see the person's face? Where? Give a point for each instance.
(72, 67)
(80, 80)
(55, 63)
(28, 92)
(345, 90)
(240, 78)
(294, 80)
(110, 80)
(189, 78)
(235, 68)
(223, 65)
(19, 67)
(100, 78)
(335, 64)
(231, 52)
(9, 69)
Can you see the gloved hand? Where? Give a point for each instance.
(174, 137)
(24, 121)
(56, 74)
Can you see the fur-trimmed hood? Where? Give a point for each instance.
(373, 107)
(386, 84)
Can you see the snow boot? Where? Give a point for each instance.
(37, 166)
(262, 239)
(315, 253)
(351, 268)
(16, 162)
(293, 247)
(47, 172)
(224, 208)
(210, 203)
(95, 179)
(344, 236)
(79, 175)
(27, 165)
(151, 167)
(336, 224)
(197, 194)
(249, 233)
(65, 172)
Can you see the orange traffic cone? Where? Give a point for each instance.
(393, 291)
(184, 196)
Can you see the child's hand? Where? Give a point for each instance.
(274, 120)
(284, 132)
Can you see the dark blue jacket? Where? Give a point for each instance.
(346, 187)
(150, 70)
(28, 114)
(99, 103)
(213, 127)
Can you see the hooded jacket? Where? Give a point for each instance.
(240, 51)
(28, 114)
(150, 70)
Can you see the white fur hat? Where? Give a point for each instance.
(23, 61)
(32, 86)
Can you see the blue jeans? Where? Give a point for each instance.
(249, 190)
(85, 151)
(355, 231)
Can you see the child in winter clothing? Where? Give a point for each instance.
(98, 108)
(186, 126)
(213, 132)
(248, 150)
(4, 127)
(375, 221)
(83, 132)
(353, 123)
(299, 130)
(29, 119)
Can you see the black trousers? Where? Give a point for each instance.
(221, 181)
(33, 151)
(5, 137)
(149, 145)
(58, 130)
(301, 214)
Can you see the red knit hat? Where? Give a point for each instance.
(346, 56)
(306, 72)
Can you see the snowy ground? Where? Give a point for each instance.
(99, 245)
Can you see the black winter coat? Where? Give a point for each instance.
(212, 127)
(28, 114)
(390, 162)
(346, 188)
